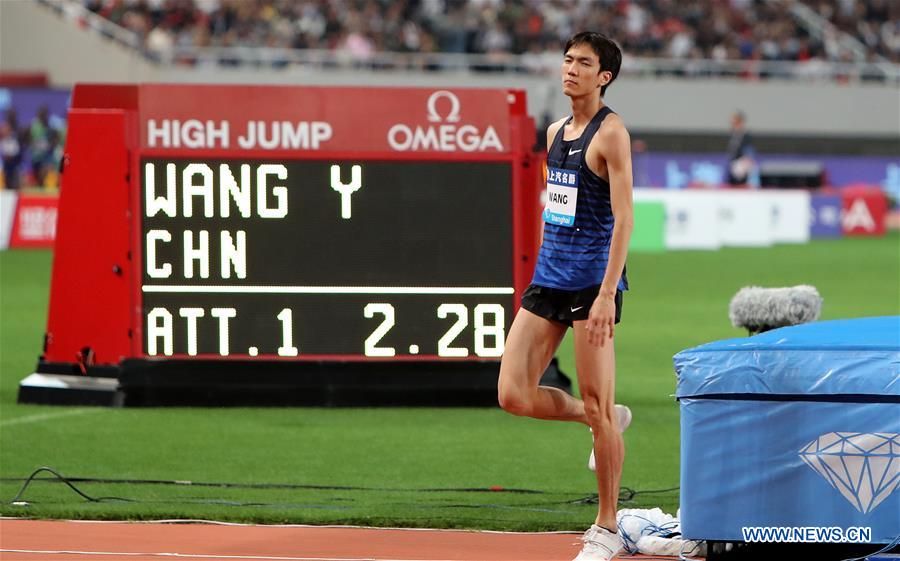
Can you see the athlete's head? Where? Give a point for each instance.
(591, 61)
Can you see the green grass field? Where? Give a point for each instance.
(404, 467)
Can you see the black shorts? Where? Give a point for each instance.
(564, 306)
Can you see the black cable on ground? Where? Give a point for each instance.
(63, 479)
(227, 485)
(626, 493)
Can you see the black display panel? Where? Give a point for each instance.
(326, 258)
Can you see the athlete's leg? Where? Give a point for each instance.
(596, 367)
(531, 344)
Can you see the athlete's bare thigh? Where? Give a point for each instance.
(531, 343)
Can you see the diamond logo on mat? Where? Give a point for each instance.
(864, 467)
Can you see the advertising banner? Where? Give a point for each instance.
(675, 170)
(691, 217)
(712, 218)
(745, 218)
(34, 224)
(825, 216)
(791, 214)
(273, 118)
(649, 233)
(865, 210)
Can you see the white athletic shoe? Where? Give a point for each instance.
(623, 414)
(600, 545)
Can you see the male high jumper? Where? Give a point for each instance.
(580, 276)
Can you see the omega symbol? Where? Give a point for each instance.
(434, 116)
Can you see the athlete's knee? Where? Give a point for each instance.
(512, 395)
(599, 413)
(514, 400)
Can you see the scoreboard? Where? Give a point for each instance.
(321, 259)
(242, 225)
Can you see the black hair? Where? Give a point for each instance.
(607, 51)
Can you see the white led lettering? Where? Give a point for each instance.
(280, 192)
(154, 204)
(223, 315)
(234, 254)
(155, 330)
(230, 190)
(191, 315)
(346, 189)
(153, 270)
(203, 189)
(199, 254)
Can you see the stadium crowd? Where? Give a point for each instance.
(677, 29)
(875, 23)
(30, 153)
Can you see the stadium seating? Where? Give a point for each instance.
(697, 29)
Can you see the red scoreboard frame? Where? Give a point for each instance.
(96, 313)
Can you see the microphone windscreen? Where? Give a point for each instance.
(760, 309)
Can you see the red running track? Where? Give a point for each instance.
(44, 540)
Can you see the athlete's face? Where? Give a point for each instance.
(581, 73)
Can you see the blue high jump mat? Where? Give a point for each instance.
(796, 427)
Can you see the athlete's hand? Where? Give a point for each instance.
(601, 319)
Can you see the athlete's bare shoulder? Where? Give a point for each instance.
(610, 145)
(553, 129)
(611, 133)
(612, 130)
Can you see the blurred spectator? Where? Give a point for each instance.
(45, 142)
(741, 162)
(13, 142)
(874, 23)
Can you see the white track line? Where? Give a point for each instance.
(314, 526)
(46, 416)
(204, 556)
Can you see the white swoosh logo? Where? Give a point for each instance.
(576, 309)
(571, 152)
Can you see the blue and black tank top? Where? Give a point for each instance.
(578, 218)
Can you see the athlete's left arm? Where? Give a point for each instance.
(614, 146)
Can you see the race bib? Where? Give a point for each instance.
(562, 196)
